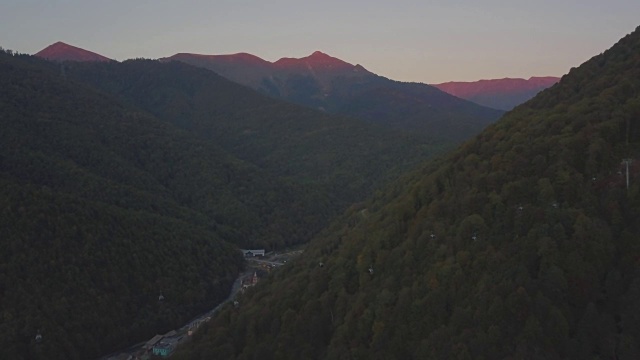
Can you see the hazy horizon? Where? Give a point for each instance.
(429, 42)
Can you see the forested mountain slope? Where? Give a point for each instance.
(521, 244)
(342, 157)
(103, 208)
(323, 82)
(123, 182)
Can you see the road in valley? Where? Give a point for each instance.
(193, 324)
(274, 260)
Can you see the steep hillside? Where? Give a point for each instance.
(65, 52)
(104, 207)
(502, 94)
(335, 86)
(521, 244)
(345, 158)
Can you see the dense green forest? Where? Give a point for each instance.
(343, 158)
(521, 244)
(144, 157)
(96, 224)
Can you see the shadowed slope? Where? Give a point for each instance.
(344, 158)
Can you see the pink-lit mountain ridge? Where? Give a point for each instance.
(502, 94)
(255, 72)
(65, 52)
(324, 82)
(332, 85)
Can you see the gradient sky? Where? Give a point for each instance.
(423, 41)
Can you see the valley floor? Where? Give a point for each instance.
(178, 337)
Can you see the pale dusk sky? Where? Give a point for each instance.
(422, 41)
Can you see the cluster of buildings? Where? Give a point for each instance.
(159, 345)
(252, 253)
(250, 280)
(163, 345)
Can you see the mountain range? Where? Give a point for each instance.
(282, 78)
(324, 82)
(329, 84)
(504, 94)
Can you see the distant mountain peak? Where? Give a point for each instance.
(503, 93)
(319, 55)
(246, 56)
(241, 57)
(549, 78)
(317, 60)
(60, 51)
(359, 67)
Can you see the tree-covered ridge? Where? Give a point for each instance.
(343, 157)
(521, 244)
(90, 236)
(87, 276)
(145, 156)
